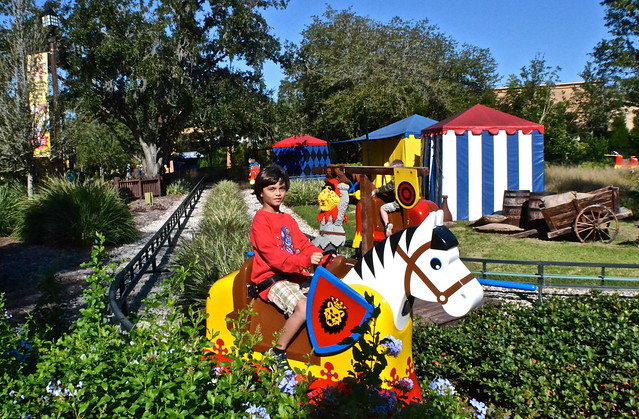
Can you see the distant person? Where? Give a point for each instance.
(392, 206)
(254, 170)
(283, 256)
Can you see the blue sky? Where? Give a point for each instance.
(564, 31)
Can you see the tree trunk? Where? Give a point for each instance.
(151, 164)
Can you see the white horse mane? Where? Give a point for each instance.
(421, 261)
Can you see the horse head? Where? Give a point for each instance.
(425, 259)
(434, 271)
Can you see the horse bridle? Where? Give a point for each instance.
(442, 296)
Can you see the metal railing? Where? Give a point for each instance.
(541, 278)
(126, 280)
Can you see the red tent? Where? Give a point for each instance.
(299, 154)
(476, 155)
(302, 140)
(481, 118)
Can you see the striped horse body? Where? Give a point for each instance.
(418, 262)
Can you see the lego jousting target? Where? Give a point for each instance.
(406, 187)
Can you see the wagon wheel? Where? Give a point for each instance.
(596, 223)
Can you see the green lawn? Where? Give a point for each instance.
(499, 246)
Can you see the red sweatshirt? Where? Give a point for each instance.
(280, 248)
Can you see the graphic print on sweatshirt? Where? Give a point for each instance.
(287, 240)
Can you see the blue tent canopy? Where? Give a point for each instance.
(413, 125)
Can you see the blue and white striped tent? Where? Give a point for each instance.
(478, 154)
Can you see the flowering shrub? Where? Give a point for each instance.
(442, 386)
(158, 370)
(393, 346)
(96, 371)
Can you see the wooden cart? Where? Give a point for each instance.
(592, 216)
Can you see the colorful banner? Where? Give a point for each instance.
(38, 101)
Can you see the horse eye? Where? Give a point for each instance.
(436, 264)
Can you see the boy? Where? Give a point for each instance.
(283, 254)
(392, 206)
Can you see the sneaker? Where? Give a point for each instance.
(389, 229)
(281, 361)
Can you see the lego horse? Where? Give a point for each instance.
(417, 262)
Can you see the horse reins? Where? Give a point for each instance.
(442, 296)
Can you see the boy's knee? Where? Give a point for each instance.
(301, 306)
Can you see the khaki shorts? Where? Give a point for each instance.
(286, 294)
(391, 206)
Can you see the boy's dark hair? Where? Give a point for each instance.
(397, 163)
(268, 176)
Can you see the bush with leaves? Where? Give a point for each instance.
(304, 192)
(556, 359)
(67, 213)
(179, 187)
(156, 371)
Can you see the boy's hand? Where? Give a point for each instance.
(316, 258)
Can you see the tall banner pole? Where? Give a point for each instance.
(38, 92)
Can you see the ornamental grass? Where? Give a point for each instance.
(303, 192)
(219, 246)
(69, 214)
(12, 197)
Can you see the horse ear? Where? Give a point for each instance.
(439, 220)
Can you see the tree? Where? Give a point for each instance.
(617, 58)
(596, 102)
(98, 147)
(350, 69)
(145, 63)
(21, 36)
(234, 109)
(530, 96)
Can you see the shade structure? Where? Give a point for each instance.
(299, 154)
(399, 140)
(478, 154)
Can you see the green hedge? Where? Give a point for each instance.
(576, 356)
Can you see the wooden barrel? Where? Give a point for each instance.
(534, 216)
(534, 206)
(514, 200)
